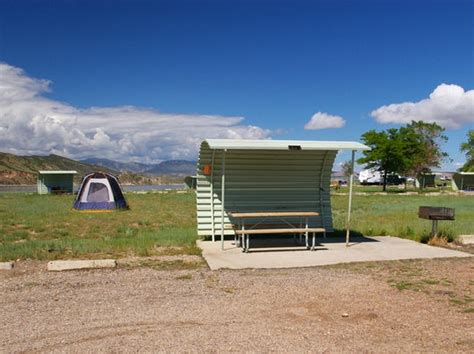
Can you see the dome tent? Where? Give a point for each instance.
(100, 191)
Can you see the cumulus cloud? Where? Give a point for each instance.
(448, 105)
(322, 120)
(31, 123)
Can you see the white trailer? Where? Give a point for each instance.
(370, 177)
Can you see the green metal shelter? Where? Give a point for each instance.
(271, 175)
(55, 182)
(463, 181)
(425, 180)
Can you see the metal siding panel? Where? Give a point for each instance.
(42, 189)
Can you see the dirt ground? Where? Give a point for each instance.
(399, 306)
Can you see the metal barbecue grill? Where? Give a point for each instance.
(435, 214)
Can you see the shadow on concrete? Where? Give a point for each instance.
(341, 233)
(339, 236)
(282, 243)
(287, 243)
(277, 244)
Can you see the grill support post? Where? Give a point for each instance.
(434, 228)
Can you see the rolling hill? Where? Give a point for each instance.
(23, 169)
(16, 170)
(170, 167)
(135, 167)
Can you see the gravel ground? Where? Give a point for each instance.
(144, 309)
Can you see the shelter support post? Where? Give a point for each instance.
(222, 197)
(349, 207)
(213, 231)
(321, 201)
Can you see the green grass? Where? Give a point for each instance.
(46, 227)
(403, 285)
(397, 215)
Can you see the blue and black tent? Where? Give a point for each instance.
(100, 191)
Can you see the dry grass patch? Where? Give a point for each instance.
(185, 277)
(166, 262)
(434, 278)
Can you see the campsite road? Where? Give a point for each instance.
(400, 306)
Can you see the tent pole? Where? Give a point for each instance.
(351, 179)
(222, 197)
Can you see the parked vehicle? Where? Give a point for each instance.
(376, 177)
(370, 177)
(395, 180)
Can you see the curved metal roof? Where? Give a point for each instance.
(57, 172)
(242, 144)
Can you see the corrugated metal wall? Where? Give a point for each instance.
(263, 180)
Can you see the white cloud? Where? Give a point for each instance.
(31, 123)
(448, 105)
(322, 120)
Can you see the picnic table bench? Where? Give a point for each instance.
(243, 231)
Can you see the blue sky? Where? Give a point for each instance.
(273, 63)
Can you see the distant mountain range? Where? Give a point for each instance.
(170, 167)
(24, 169)
(135, 167)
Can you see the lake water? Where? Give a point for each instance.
(134, 188)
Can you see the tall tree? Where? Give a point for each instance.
(346, 168)
(410, 150)
(468, 148)
(387, 153)
(423, 146)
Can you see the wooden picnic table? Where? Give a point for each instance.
(291, 227)
(260, 214)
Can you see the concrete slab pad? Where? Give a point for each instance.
(466, 239)
(6, 265)
(282, 253)
(81, 264)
